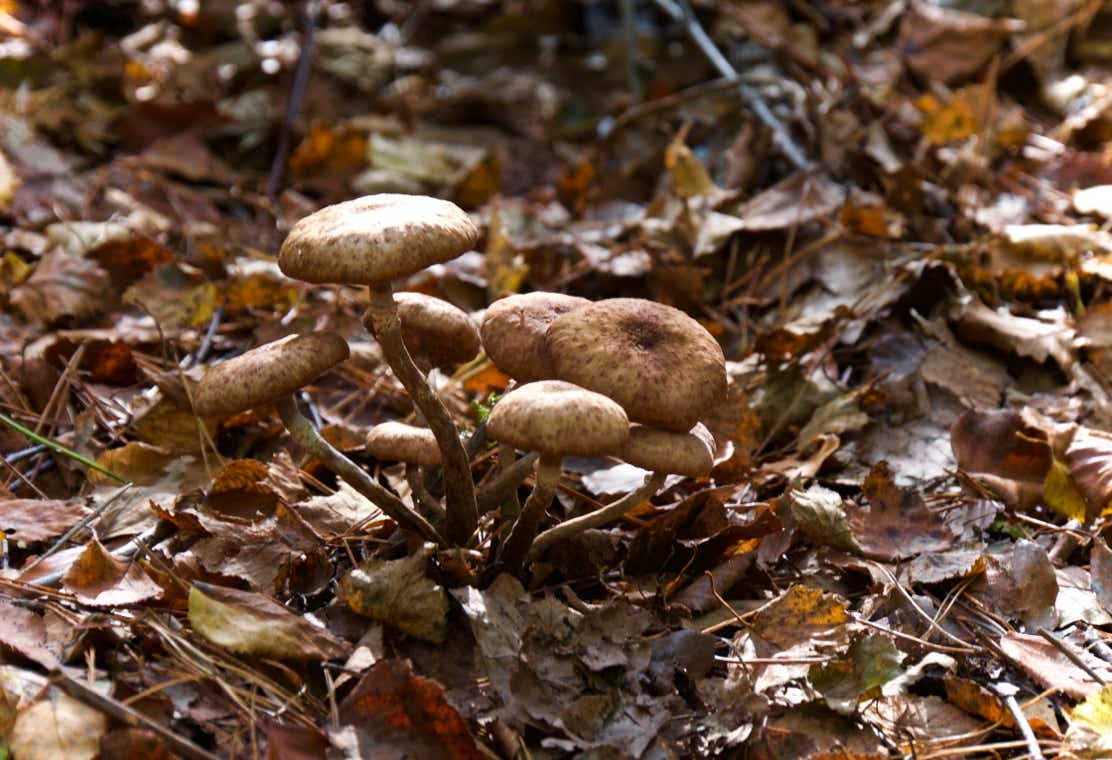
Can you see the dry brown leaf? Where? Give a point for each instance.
(63, 285)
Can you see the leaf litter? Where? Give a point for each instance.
(901, 549)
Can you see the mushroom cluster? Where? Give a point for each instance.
(627, 378)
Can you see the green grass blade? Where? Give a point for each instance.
(59, 448)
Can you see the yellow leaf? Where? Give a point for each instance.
(689, 177)
(8, 181)
(1061, 494)
(505, 269)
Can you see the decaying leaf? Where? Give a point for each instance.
(399, 593)
(256, 625)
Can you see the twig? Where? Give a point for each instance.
(681, 12)
(176, 744)
(1072, 656)
(206, 343)
(297, 94)
(1005, 692)
(629, 25)
(153, 535)
(421, 497)
(79, 525)
(599, 517)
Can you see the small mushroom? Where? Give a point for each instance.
(399, 442)
(660, 451)
(373, 241)
(556, 419)
(271, 373)
(414, 446)
(513, 332)
(661, 365)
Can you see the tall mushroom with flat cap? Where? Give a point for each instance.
(661, 365)
(271, 374)
(435, 332)
(513, 331)
(373, 241)
(556, 419)
(663, 453)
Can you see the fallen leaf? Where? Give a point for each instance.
(392, 712)
(62, 285)
(58, 726)
(252, 624)
(399, 593)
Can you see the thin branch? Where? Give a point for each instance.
(681, 12)
(599, 517)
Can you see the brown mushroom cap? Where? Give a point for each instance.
(690, 453)
(513, 332)
(267, 373)
(554, 417)
(661, 365)
(399, 442)
(375, 239)
(435, 332)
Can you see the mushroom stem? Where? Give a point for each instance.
(462, 511)
(599, 517)
(306, 436)
(503, 485)
(422, 499)
(525, 529)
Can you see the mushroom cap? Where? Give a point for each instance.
(554, 417)
(375, 239)
(267, 373)
(690, 453)
(661, 365)
(399, 442)
(435, 332)
(513, 332)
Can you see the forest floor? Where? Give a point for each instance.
(893, 217)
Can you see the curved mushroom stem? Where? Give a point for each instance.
(422, 499)
(306, 436)
(525, 529)
(599, 517)
(463, 513)
(502, 485)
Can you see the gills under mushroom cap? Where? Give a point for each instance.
(375, 239)
(513, 332)
(690, 453)
(396, 441)
(267, 373)
(661, 365)
(558, 418)
(435, 332)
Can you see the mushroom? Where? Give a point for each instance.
(271, 373)
(414, 446)
(556, 419)
(661, 365)
(436, 333)
(373, 241)
(513, 332)
(662, 452)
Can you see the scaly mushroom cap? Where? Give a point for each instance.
(398, 442)
(554, 417)
(375, 239)
(513, 332)
(435, 332)
(267, 373)
(690, 453)
(661, 365)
